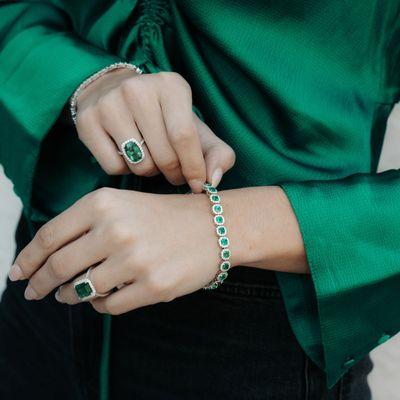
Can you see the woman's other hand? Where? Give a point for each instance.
(157, 247)
(157, 108)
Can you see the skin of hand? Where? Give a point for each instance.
(156, 247)
(157, 108)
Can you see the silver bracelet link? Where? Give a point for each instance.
(223, 241)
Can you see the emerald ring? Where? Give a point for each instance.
(85, 289)
(132, 150)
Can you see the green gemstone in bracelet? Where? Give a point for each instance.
(219, 220)
(211, 190)
(221, 230)
(225, 254)
(214, 285)
(215, 198)
(223, 241)
(217, 209)
(222, 276)
(225, 265)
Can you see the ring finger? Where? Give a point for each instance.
(118, 122)
(106, 276)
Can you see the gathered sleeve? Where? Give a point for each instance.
(41, 63)
(351, 233)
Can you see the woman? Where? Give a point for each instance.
(300, 90)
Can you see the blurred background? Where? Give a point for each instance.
(384, 379)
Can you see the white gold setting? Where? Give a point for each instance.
(86, 280)
(223, 240)
(123, 151)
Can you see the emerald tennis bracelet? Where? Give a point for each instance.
(223, 241)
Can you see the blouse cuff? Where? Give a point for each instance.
(350, 303)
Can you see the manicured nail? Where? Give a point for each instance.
(196, 185)
(15, 273)
(57, 295)
(30, 294)
(216, 177)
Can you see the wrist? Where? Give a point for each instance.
(73, 103)
(263, 229)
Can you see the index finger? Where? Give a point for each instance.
(62, 229)
(183, 136)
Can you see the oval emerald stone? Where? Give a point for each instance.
(133, 151)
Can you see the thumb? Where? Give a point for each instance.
(218, 155)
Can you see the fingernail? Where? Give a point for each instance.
(196, 185)
(216, 177)
(57, 295)
(30, 294)
(15, 273)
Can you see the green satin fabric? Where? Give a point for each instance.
(301, 89)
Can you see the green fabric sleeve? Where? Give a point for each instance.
(41, 64)
(351, 233)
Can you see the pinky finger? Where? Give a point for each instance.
(125, 299)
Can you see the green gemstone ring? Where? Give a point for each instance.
(85, 289)
(132, 151)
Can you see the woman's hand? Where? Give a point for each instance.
(159, 246)
(157, 108)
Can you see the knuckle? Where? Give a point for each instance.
(104, 104)
(112, 307)
(115, 168)
(193, 171)
(146, 168)
(101, 199)
(84, 117)
(169, 165)
(229, 155)
(151, 172)
(176, 180)
(119, 233)
(101, 285)
(174, 78)
(45, 236)
(158, 287)
(130, 87)
(168, 298)
(182, 135)
(57, 266)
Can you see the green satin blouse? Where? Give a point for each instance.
(301, 89)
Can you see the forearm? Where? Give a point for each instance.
(263, 229)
